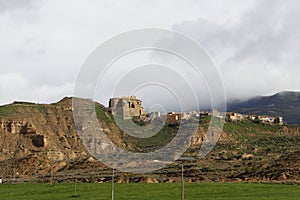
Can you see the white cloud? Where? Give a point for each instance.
(14, 85)
(43, 43)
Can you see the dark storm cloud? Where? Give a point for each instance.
(257, 55)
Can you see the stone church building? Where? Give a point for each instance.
(126, 107)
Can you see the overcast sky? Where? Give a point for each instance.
(255, 44)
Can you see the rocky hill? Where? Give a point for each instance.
(34, 136)
(39, 142)
(285, 104)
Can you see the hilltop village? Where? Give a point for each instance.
(131, 107)
(41, 142)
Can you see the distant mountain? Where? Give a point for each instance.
(285, 104)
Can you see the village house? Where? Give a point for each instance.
(173, 118)
(235, 117)
(154, 115)
(194, 114)
(204, 113)
(266, 119)
(185, 116)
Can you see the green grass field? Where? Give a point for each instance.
(168, 191)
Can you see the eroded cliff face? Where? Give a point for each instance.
(14, 127)
(19, 138)
(36, 138)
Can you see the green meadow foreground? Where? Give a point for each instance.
(168, 191)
